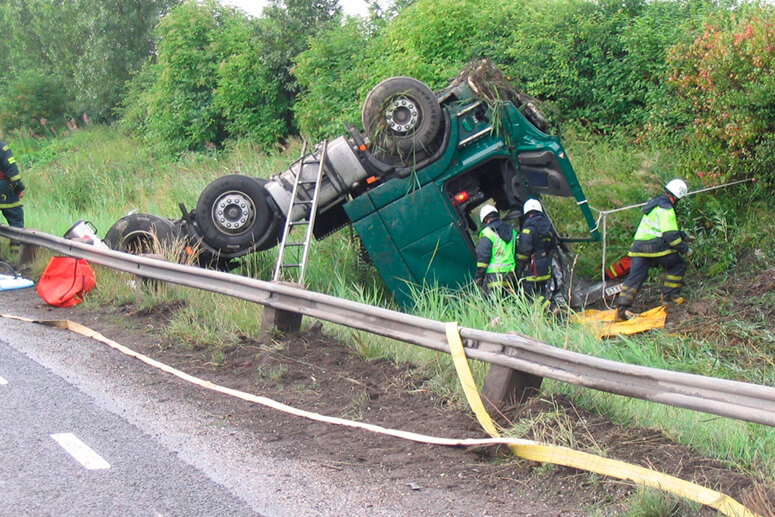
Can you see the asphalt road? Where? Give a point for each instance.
(65, 454)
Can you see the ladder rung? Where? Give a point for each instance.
(291, 265)
(302, 202)
(294, 244)
(299, 223)
(306, 182)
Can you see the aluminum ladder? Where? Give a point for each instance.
(310, 206)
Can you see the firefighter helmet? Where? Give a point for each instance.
(677, 188)
(532, 205)
(487, 211)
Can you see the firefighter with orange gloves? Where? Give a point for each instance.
(11, 191)
(495, 253)
(658, 243)
(535, 250)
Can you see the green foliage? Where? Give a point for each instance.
(329, 73)
(599, 62)
(219, 75)
(87, 48)
(33, 101)
(724, 96)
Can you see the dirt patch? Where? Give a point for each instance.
(313, 371)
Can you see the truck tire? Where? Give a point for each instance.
(402, 118)
(141, 233)
(233, 214)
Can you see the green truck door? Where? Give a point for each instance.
(417, 239)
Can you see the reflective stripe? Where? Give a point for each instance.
(671, 284)
(481, 264)
(674, 277)
(11, 205)
(526, 230)
(11, 160)
(655, 254)
(537, 278)
(15, 178)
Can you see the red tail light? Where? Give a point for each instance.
(461, 197)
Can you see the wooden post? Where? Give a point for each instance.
(505, 387)
(27, 255)
(277, 320)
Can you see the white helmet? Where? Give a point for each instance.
(486, 211)
(532, 205)
(677, 188)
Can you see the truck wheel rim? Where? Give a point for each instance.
(233, 213)
(402, 115)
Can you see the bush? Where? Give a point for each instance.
(208, 83)
(35, 101)
(724, 96)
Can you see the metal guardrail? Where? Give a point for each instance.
(733, 399)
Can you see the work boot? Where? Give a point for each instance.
(623, 314)
(672, 299)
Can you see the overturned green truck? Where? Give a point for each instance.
(408, 182)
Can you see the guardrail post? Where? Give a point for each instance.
(27, 254)
(505, 387)
(278, 320)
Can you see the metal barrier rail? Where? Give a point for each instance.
(733, 399)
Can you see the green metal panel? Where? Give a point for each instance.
(416, 215)
(445, 257)
(385, 255)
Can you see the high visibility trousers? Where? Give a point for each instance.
(674, 267)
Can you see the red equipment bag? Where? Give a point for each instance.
(618, 269)
(65, 281)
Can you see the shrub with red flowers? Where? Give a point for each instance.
(725, 86)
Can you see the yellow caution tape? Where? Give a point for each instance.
(603, 324)
(581, 460)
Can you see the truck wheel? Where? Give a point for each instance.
(141, 233)
(402, 118)
(233, 214)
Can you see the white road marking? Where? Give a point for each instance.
(3, 381)
(80, 451)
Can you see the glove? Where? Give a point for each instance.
(689, 252)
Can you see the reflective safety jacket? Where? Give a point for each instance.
(536, 247)
(10, 180)
(495, 251)
(658, 233)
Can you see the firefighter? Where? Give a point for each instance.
(657, 243)
(495, 253)
(534, 251)
(11, 191)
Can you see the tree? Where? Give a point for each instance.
(88, 47)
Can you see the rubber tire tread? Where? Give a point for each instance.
(160, 229)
